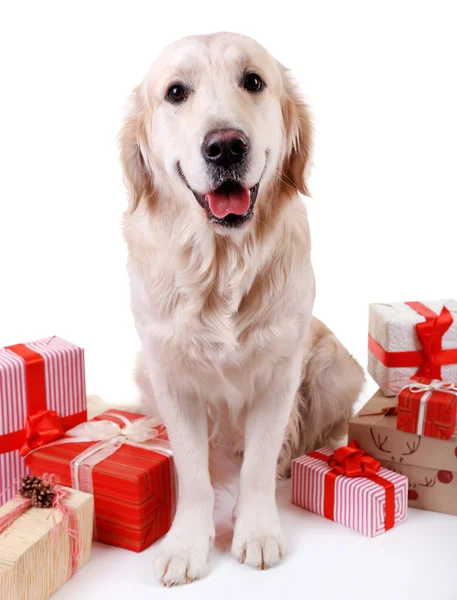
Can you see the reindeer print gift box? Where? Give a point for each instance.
(429, 463)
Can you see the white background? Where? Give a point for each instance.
(381, 80)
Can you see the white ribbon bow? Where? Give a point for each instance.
(142, 433)
(436, 385)
(139, 431)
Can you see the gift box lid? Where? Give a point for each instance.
(393, 325)
(40, 375)
(377, 433)
(401, 312)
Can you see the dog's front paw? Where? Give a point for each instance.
(257, 539)
(177, 565)
(183, 556)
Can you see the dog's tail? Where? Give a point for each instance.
(96, 406)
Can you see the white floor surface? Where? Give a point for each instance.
(417, 560)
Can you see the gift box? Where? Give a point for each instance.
(428, 407)
(125, 460)
(412, 339)
(44, 547)
(350, 487)
(41, 383)
(429, 463)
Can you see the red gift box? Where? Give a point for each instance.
(428, 407)
(133, 483)
(41, 383)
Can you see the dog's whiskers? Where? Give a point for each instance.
(291, 185)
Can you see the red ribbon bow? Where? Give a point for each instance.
(430, 334)
(351, 461)
(41, 428)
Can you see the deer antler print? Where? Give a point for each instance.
(429, 482)
(412, 447)
(378, 443)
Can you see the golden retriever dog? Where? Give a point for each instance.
(215, 149)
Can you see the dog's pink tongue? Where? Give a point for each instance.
(235, 203)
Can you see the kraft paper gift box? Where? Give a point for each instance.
(132, 481)
(408, 339)
(35, 560)
(350, 487)
(41, 383)
(429, 463)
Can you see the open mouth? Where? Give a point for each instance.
(229, 205)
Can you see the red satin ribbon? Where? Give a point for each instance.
(35, 378)
(430, 333)
(351, 461)
(15, 440)
(41, 428)
(386, 411)
(40, 425)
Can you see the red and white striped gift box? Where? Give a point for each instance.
(46, 375)
(356, 502)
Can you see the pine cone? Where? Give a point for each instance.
(29, 484)
(41, 494)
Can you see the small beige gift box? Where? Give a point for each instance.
(34, 563)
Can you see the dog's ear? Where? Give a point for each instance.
(133, 147)
(298, 135)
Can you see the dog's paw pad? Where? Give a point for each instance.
(180, 565)
(260, 552)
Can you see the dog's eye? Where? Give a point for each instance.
(253, 82)
(176, 93)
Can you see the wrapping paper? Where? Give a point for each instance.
(428, 409)
(358, 502)
(429, 489)
(429, 463)
(133, 487)
(393, 327)
(46, 375)
(34, 564)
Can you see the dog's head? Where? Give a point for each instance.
(215, 124)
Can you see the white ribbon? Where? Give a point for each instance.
(139, 431)
(427, 389)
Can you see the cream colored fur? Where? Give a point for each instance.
(230, 351)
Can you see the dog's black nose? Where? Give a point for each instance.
(225, 147)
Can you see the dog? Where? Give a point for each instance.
(215, 150)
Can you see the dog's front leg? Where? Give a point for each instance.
(183, 555)
(257, 538)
